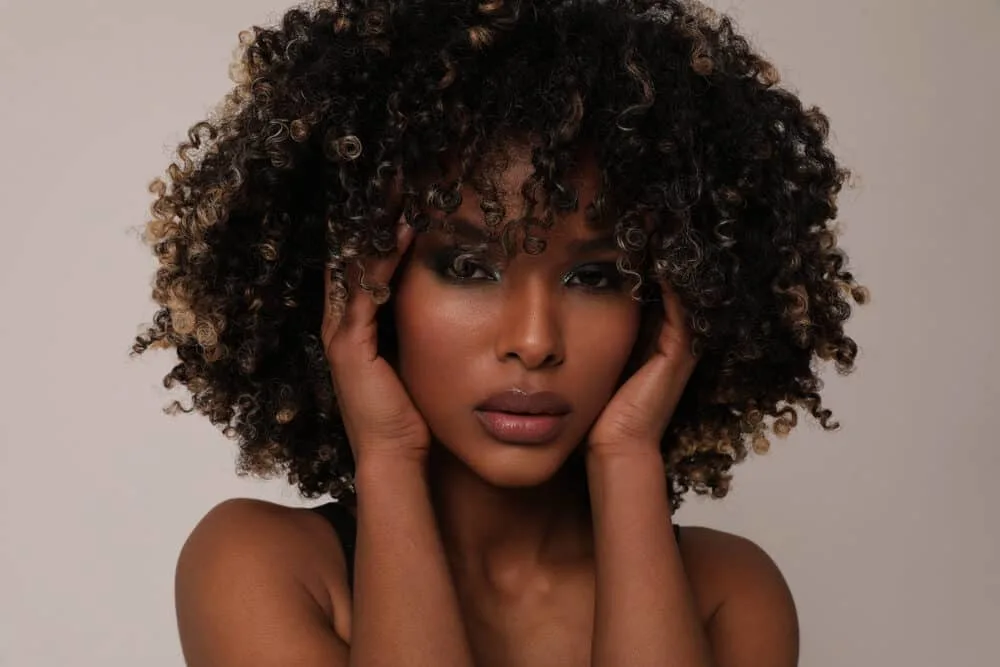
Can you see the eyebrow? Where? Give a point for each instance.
(605, 241)
(467, 231)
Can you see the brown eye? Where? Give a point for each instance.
(601, 277)
(463, 266)
(466, 268)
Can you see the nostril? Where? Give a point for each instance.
(529, 360)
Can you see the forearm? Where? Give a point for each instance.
(406, 611)
(645, 615)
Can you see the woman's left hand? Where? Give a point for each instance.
(636, 417)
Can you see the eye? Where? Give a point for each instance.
(463, 266)
(595, 277)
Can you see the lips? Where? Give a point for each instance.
(517, 417)
(523, 403)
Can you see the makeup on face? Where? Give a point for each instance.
(510, 349)
(467, 255)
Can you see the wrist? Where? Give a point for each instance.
(626, 468)
(598, 454)
(625, 481)
(389, 465)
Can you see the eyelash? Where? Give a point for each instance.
(446, 263)
(607, 272)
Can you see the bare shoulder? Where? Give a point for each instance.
(743, 597)
(728, 563)
(298, 543)
(257, 583)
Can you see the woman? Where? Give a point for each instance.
(505, 280)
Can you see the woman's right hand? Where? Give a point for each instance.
(378, 414)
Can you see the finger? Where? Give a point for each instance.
(675, 334)
(367, 289)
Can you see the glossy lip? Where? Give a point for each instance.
(521, 402)
(518, 417)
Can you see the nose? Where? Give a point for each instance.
(530, 331)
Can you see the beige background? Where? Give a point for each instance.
(886, 531)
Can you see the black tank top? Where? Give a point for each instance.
(346, 527)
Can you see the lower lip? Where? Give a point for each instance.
(521, 429)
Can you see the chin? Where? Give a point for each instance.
(514, 466)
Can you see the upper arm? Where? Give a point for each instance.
(755, 623)
(241, 596)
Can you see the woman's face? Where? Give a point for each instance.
(481, 336)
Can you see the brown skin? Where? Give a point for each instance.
(471, 551)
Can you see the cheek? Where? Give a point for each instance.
(603, 343)
(436, 336)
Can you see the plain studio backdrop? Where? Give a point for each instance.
(884, 529)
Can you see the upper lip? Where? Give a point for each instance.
(520, 402)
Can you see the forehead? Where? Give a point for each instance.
(509, 165)
(504, 190)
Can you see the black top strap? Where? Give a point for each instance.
(346, 527)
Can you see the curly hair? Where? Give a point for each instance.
(343, 103)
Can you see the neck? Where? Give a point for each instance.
(507, 538)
